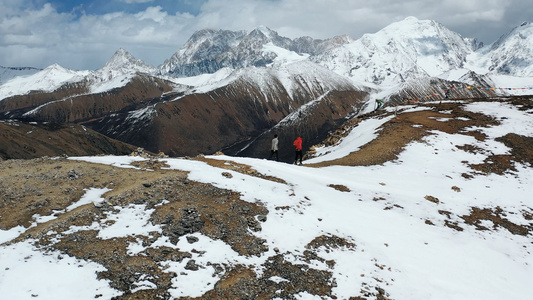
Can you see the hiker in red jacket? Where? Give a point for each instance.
(298, 148)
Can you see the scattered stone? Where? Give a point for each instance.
(331, 242)
(190, 222)
(191, 265)
(452, 225)
(253, 224)
(432, 199)
(227, 174)
(262, 218)
(139, 201)
(455, 188)
(467, 176)
(192, 239)
(72, 174)
(161, 155)
(339, 187)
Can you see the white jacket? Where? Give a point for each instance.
(275, 144)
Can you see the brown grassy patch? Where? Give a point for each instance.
(496, 216)
(412, 126)
(339, 187)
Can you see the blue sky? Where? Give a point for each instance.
(100, 7)
(79, 34)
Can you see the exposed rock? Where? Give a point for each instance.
(192, 239)
(432, 199)
(191, 265)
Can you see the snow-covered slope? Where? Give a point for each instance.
(118, 71)
(203, 46)
(210, 50)
(46, 80)
(292, 71)
(7, 74)
(512, 54)
(404, 50)
(405, 229)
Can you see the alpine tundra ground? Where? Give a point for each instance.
(40, 201)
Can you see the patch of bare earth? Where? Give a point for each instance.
(498, 218)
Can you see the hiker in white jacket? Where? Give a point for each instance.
(274, 148)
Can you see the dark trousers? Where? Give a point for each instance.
(298, 154)
(272, 153)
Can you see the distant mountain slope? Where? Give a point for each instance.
(512, 54)
(19, 140)
(47, 80)
(232, 113)
(8, 73)
(207, 51)
(404, 50)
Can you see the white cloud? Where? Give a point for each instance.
(136, 1)
(42, 36)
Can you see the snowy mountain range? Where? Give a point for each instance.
(410, 59)
(402, 51)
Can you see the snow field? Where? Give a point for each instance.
(383, 215)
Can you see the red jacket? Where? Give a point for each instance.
(298, 143)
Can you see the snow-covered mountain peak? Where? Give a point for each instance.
(262, 29)
(203, 46)
(423, 33)
(261, 36)
(341, 39)
(512, 53)
(522, 32)
(47, 80)
(123, 62)
(410, 48)
(55, 68)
